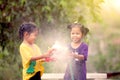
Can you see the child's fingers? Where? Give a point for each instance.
(50, 51)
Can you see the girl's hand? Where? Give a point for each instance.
(74, 55)
(70, 55)
(49, 52)
(78, 56)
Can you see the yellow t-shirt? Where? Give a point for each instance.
(26, 53)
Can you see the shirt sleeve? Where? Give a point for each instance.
(26, 55)
(85, 51)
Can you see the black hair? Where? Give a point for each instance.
(83, 29)
(26, 27)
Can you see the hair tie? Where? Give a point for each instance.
(76, 22)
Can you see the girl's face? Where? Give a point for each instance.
(76, 34)
(31, 37)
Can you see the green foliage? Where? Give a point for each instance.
(75, 10)
(108, 62)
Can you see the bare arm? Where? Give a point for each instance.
(48, 54)
(78, 56)
(83, 55)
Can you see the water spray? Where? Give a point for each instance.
(57, 46)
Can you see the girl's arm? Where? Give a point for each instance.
(78, 56)
(48, 54)
(83, 55)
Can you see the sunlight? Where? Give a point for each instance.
(115, 4)
(111, 8)
(56, 45)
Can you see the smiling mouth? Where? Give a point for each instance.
(74, 39)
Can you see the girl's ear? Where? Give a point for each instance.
(25, 34)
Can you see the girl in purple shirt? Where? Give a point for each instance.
(76, 69)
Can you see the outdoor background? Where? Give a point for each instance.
(52, 17)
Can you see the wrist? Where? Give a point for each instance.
(45, 55)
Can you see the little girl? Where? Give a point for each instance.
(76, 69)
(30, 52)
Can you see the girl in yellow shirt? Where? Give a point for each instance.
(30, 52)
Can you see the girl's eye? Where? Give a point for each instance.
(72, 33)
(77, 33)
